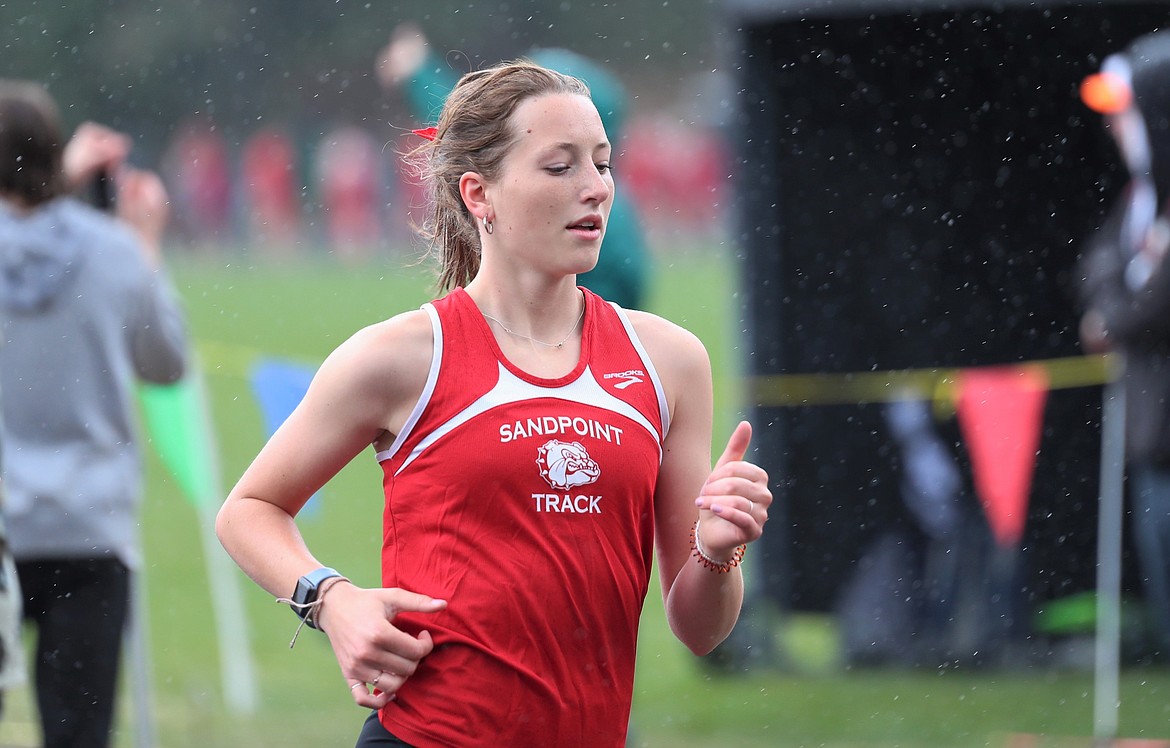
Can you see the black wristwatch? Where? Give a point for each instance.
(306, 592)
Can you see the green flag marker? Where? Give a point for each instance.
(178, 426)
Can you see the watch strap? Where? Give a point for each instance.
(306, 592)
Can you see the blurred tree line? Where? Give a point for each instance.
(146, 67)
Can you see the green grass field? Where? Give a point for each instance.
(302, 311)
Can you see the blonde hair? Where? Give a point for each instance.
(474, 134)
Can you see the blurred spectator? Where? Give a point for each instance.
(11, 645)
(677, 174)
(271, 190)
(349, 172)
(922, 591)
(196, 168)
(85, 310)
(622, 269)
(1126, 292)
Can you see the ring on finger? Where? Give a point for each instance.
(377, 678)
(355, 685)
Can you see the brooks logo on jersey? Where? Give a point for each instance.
(633, 376)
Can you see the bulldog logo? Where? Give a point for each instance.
(566, 465)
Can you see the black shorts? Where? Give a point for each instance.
(373, 735)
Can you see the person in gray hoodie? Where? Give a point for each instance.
(86, 311)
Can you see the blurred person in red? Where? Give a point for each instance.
(348, 168)
(677, 173)
(86, 312)
(196, 168)
(271, 190)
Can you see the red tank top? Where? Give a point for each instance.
(527, 504)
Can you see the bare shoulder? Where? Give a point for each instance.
(676, 351)
(661, 335)
(389, 360)
(395, 336)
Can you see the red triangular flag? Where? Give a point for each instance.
(1000, 410)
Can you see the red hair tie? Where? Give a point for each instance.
(427, 132)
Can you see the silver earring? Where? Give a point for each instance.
(487, 225)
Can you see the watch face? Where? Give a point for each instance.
(306, 591)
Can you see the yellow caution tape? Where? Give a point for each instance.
(853, 388)
(856, 388)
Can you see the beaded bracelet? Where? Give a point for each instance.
(710, 563)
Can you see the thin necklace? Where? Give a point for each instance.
(561, 344)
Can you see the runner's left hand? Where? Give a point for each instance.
(735, 498)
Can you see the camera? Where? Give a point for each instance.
(102, 191)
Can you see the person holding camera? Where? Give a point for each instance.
(86, 311)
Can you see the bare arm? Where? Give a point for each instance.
(143, 203)
(159, 329)
(342, 413)
(730, 501)
(363, 390)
